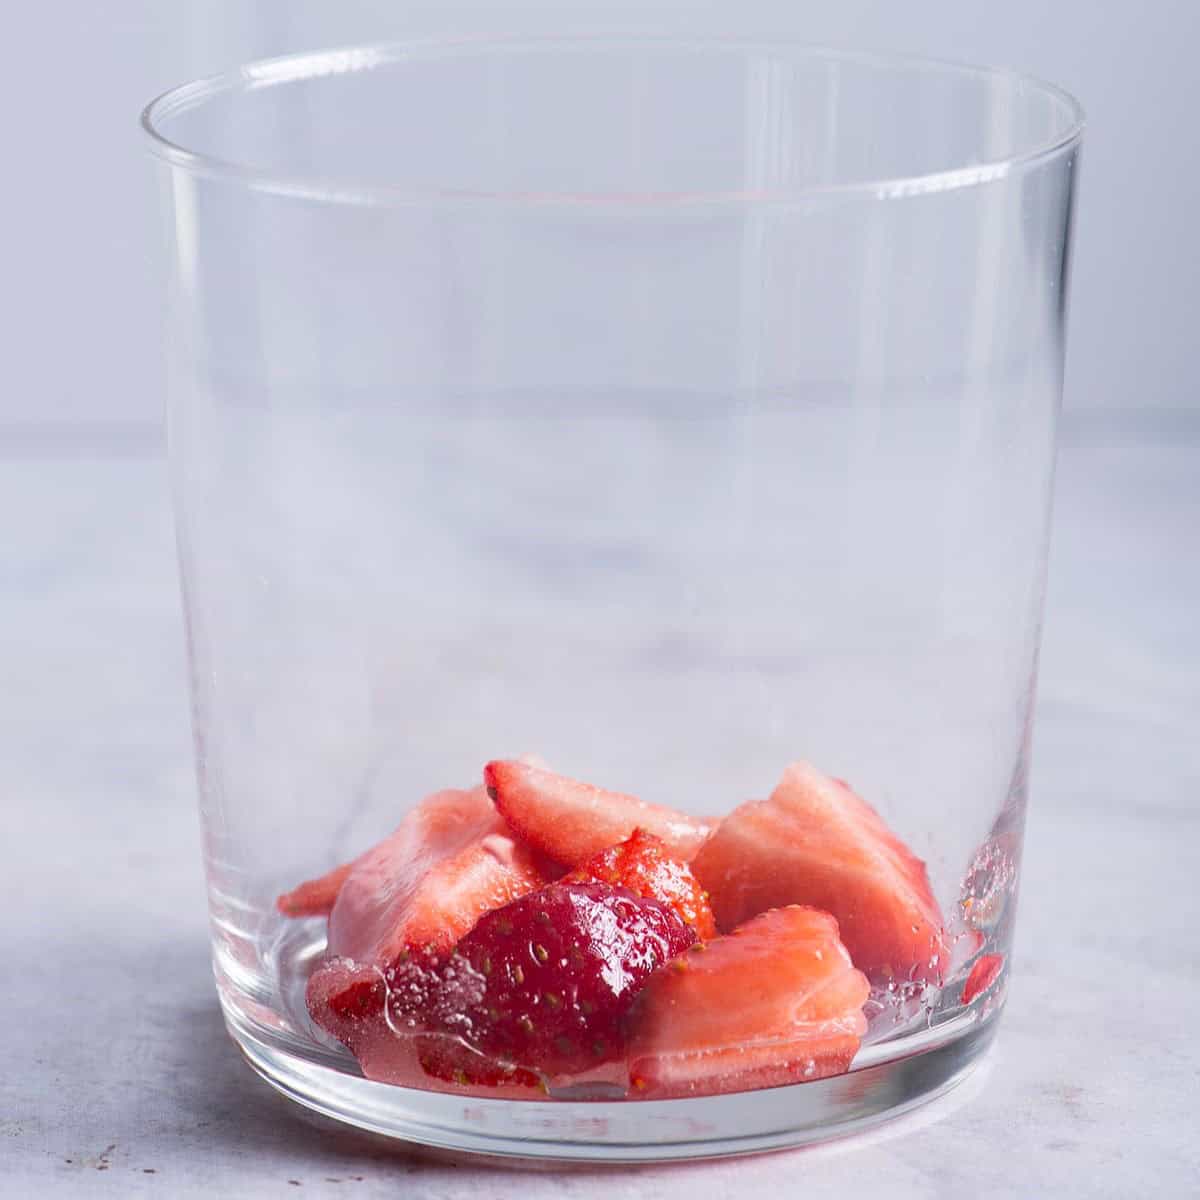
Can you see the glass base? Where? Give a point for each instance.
(886, 1080)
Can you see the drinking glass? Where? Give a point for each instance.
(673, 410)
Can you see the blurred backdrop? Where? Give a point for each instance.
(80, 229)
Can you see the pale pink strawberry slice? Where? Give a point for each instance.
(816, 842)
(451, 860)
(777, 1001)
(570, 821)
(983, 975)
(314, 897)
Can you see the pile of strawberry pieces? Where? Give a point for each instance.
(537, 933)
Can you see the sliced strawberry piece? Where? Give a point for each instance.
(815, 842)
(315, 897)
(983, 975)
(347, 1000)
(571, 821)
(422, 991)
(775, 1002)
(560, 969)
(451, 860)
(537, 988)
(439, 821)
(642, 864)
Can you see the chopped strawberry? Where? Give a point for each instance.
(347, 1000)
(450, 861)
(561, 968)
(775, 1002)
(815, 842)
(345, 997)
(419, 983)
(422, 990)
(642, 864)
(537, 988)
(983, 975)
(315, 897)
(571, 821)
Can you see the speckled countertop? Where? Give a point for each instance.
(118, 1079)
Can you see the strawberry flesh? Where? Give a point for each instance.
(777, 1001)
(454, 963)
(344, 997)
(562, 967)
(642, 864)
(451, 860)
(538, 989)
(570, 821)
(314, 897)
(983, 975)
(418, 891)
(815, 842)
(347, 1000)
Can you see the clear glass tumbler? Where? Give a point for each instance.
(677, 412)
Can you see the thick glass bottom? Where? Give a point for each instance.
(887, 1079)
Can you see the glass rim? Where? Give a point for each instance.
(308, 65)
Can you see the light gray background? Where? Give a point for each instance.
(80, 228)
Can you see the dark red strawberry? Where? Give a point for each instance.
(642, 864)
(570, 821)
(816, 842)
(777, 1001)
(983, 975)
(560, 968)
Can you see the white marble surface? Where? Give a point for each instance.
(117, 1077)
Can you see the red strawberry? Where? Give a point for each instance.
(315, 897)
(451, 860)
(539, 985)
(347, 1000)
(816, 842)
(417, 1039)
(419, 991)
(571, 821)
(343, 997)
(777, 1001)
(641, 864)
(983, 975)
(560, 969)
